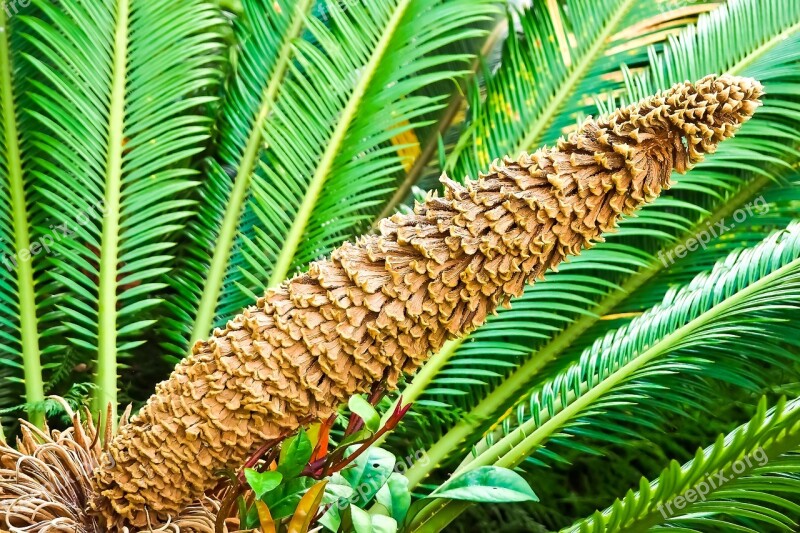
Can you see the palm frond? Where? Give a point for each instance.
(425, 165)
(745, 480)
(552, 314)
(346, 130)
(114, 141)
(720, 326)
(579, 479)
(776, 207)
(352, 86)
(563, 54)
(263, 35)
(19, 320)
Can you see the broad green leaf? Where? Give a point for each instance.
(368, 473)
(366, 411)
(383, 524)
(262, 482)
(283, 501)
(395, 496)
(363, 522)
(338, 493)
(295, 454)
(487, 484)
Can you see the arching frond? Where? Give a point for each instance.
(716, 327)
(20, 353)
(347, 125)
(561, 58)
(551, 315)
(264, 35)
(334, 101)
(115, 128)
(776, 206)
(746, 479)
(566, 484)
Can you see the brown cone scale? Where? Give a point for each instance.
(377, 308)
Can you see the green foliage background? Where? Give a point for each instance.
(199, 152)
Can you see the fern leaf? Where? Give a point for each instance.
(562, 54)
(552, 315)
(114, 148)
(721, 312)
(749, 474)
(19, 320)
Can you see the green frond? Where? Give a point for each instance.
(351, 85)
(423, 167)
(348, 121)
(561, 58)
(19, 320)
(554, 313)
(260, 58)
(773, 208)
(746, 481)
(114, 145)
(721, 326)
(777, 207)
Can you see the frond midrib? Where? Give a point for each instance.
(787, 439)
(557, 101)
(785, 442)
(763, 49)
(514, 385)
(447, 117)
(522, 441)
(212, 289)
(105, 394)
(284, 261)
(547, 116)
(28, 319)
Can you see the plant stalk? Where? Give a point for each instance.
(105, 393)
(241, 186)
(292, 242)
(29, 328)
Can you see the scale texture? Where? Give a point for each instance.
(378, 307)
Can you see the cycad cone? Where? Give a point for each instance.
(379, 307)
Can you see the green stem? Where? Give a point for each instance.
(515, 386)
(292, 242)
(105, 393)
(520, 443)
(29, 330)
(241, 185)
(742, 65)
(423, 379)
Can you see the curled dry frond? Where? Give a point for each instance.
(45, 483)
(378, 307)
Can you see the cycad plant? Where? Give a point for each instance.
(166, 163)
